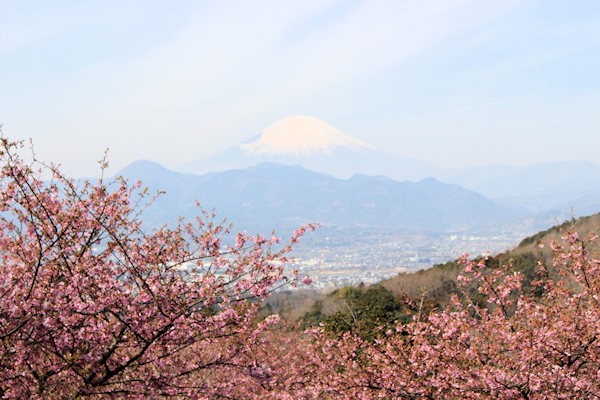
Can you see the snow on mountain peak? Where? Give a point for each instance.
(299, 134)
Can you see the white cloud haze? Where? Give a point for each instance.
(176, 81)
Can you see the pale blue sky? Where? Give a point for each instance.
(452, 82)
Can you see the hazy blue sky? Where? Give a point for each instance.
(452, 82)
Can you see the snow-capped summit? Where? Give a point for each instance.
(298, 134)
(315, 145)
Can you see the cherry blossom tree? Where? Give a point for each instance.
(520, 346)
(94, 306)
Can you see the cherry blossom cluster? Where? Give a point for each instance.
(91, 305)
(520, 345)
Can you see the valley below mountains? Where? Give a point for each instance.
(372, 227)
(378, 214)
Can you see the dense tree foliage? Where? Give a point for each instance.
(360, 310)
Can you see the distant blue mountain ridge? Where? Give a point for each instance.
(269, 195)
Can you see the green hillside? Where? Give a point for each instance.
(413, 294)
(437, 281)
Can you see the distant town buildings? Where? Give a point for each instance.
(371, 260)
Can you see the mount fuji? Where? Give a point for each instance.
(304, 135)
(554, 188)
(315, 145)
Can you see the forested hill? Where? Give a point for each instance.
(436, 280)
(408, 294)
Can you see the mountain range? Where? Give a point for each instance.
(269, 195)
(318, 146)
(301, 169)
